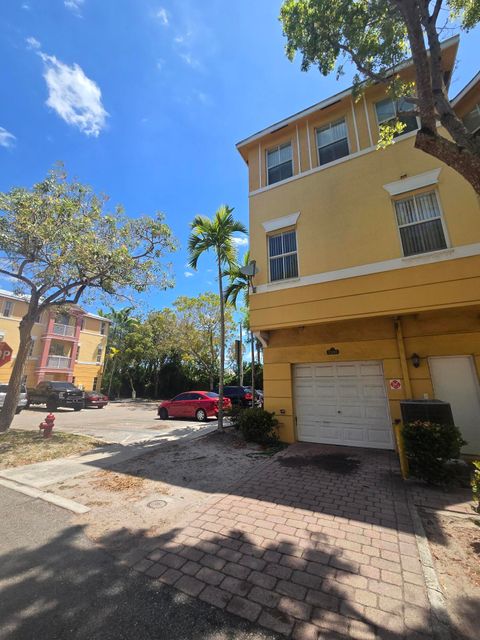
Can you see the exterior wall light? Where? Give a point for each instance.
(415, 358)
(332, 351)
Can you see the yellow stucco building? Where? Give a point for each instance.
(367, 288)
(66, 346)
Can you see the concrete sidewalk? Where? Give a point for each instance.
(50, 472)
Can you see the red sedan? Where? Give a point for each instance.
(95, 399)
(193, 404)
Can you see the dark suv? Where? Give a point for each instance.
(239, 396)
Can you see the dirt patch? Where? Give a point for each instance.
(18, 448)
(334, 463)
(180, 476)
(116, 481)
(455, 546)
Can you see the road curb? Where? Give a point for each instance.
(52, 498)
(441, 624)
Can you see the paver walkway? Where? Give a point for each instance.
(317, 544)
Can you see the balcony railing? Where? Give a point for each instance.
(58, 362)
(63, 329)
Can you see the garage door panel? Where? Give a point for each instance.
(324, 371)
(371, 369)
(342, 403)
(344, 370)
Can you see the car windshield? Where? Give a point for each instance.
(63, 386)
(210, 394)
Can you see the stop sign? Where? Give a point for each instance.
(5, 353)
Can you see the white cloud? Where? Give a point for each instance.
(240, 242)
(188, 274)
(7, 139)
(189, 59)
(26, 6)
(74, 5)
(76, 98)
(32, 43)
(162, 15)
(160, 64)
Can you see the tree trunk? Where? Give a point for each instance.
(10, 404)
(222, 345)
(112, 372)
(465, 163)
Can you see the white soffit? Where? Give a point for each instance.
(281, 223)
(413, 182)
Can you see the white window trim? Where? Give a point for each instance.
(403, 262)
(281, 223)
(326, 167)
(282, 255)
(413, 182)
(12, 307)
(411, 224)
(267, 168)
(388, 119)
(329, 125)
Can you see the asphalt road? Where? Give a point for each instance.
(121, 422)
(56, 584)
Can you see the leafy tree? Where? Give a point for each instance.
(377, 35)
(57, 242)
(216, 235)
(199, 335)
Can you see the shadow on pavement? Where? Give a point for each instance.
(66, 589)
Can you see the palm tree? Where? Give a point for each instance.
(122, 323)
(239, 284)
(216, 234)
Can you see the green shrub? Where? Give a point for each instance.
(476, 485)
(429, 447)
(256, 425)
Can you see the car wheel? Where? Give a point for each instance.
(77, 408)
(18, 410)
(163, 413)
(201, 415)
(51, 405)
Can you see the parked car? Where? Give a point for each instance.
(56, 394)
(95, 399)
(193, 404)
(22, 398)
(258, 396)
(240, 396)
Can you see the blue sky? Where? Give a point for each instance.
(169, 87)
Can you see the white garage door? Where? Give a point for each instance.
(342, 403)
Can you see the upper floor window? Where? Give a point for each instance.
(472, 119)
(8, 308)
(103, 327)
(282, 255)
(332, 142)
(388, 110)
(280, 163)
(99, 354)
(420, 223)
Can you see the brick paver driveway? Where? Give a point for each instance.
(317, 544)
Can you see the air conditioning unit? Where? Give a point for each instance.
(429, 410)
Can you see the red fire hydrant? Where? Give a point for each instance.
(47, 425)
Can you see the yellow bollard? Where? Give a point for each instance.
(401, 450)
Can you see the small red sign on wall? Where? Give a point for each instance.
(395, 384)
(5, 353)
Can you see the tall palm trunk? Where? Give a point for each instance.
(222, 344)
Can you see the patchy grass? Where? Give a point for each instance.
(18, 448)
